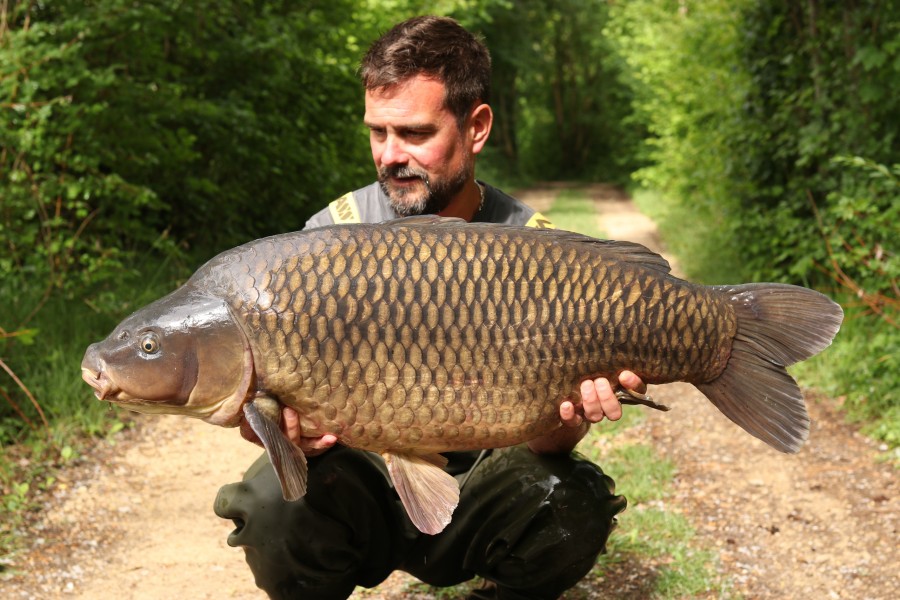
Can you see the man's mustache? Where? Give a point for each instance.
(402, 172)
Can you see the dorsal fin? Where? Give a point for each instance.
(631, 252)
(625, 251)
(425, 220)
(635, 253)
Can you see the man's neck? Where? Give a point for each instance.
(466, 204)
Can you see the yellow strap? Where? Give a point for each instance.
(540, 222)
(345, 210)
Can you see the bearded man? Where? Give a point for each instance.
(531, 519)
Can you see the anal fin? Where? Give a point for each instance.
(286, 458)
(428, 493)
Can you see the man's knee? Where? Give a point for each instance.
(558, 522)
(532, 524)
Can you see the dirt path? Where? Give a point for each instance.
(134, 519)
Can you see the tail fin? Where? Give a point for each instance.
(777, 325)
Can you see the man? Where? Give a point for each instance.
(531, 520)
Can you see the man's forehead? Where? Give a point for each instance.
(419, 95)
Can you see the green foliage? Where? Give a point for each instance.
(688, 93)
(744, 140)
(824, 85)
(860, 226)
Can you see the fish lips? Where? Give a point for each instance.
(103, 385)
(93, 373)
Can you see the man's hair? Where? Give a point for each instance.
(436, 47)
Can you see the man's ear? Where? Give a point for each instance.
(480, 121)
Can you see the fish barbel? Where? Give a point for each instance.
(424, 335)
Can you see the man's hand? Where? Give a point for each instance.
(598, 400)
(311, 446)
(290, 425)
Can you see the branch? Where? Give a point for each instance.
(27, 393)
(876, 301)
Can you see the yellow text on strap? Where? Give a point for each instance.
(345, 210)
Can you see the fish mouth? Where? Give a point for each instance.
(103, 386)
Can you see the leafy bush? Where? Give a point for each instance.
(135, 127)
(824, 85)
(860, 228)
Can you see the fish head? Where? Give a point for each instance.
(184, 354)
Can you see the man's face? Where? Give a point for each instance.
(422, 157)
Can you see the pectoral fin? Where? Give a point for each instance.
(287, 459)
(428, 493)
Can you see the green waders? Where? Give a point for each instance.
(533, 525)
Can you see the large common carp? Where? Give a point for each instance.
(424, 335)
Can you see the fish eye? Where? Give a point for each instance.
(150, 343)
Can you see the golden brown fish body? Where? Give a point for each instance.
(455, 336)
(424, 335)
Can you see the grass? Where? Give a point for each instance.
(573, 211)
(652, 532)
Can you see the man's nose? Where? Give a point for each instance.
(394, 152)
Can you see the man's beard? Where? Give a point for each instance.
(438, 193)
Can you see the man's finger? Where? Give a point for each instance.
(632, 382)
(609, 404)
(596, 394)
(568, 414)
(313, 446)
(588, 393)
(290, 423)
